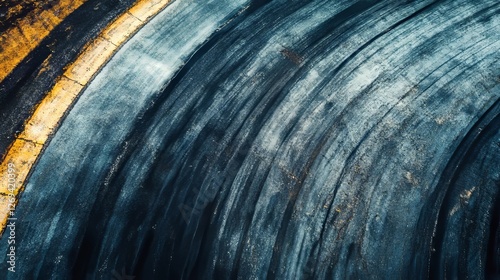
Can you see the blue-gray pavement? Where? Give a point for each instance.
(30, 81)
(281, 140)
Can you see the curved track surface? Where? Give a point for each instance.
(29, 82)
(283, 139)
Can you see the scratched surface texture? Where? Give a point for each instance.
(281, 140)
(28, 83)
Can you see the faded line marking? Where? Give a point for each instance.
(18, 41)
(27, 147)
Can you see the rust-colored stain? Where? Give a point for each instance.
(27, 33)
(25, 150)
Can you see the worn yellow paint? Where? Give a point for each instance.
(47, 115)
(28, 145)
(144, 10)
(120, 30)
(18, 41)
(4, 201)
(90, 61)
(22, 155)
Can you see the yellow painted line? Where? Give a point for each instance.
(115, 32)
(22, 155)
(48, 113)
(18, 41)
(90, 61)
(143, 10)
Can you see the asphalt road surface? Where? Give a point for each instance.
(279, 140)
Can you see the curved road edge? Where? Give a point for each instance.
(22, 155)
